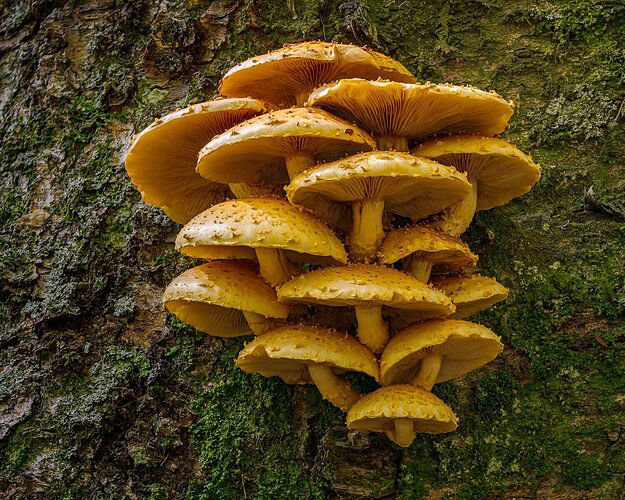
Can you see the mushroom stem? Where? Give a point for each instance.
(456, 219)
(333, 388)
(258, 323)
(372, 329)
(404, 431)
(426, 377)
(275, 268)
(367, 232)
(392, 143)
(243, 190)
(297, 163)
(419, 268)
(301, 98)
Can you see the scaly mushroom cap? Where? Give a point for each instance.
(411, 187)
(285, 352)
(414, 110)
(211, 297)
(162, 159)
(501, 170)
(463, 346)
(365, 285)
(470, 293)
(230, 229)
(295, 70)
(425, 243)
(255, 151)
(378, 410)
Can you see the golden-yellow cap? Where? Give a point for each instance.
(471, 293)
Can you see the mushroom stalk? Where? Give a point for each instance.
(404, 431)
(258, 323)
(333, 388)
(457, 218)
(372, 329)
(428, 372)
(392, 143)
(297, 163)
(242, 190)
(367, 231)
(274, 266)
(301, 98)
(419, 268)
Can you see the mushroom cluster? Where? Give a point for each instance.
(326, 189)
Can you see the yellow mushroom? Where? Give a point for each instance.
(367, 184)
(301, 354)
(287, 75)
(225, 299)
(267, 229)
(470, 293)
(497, 171)
(400, 412)
(399, 112)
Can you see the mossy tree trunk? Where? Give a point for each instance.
(103, 395)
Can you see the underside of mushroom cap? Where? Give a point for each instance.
(378, 410)
(426, 243)
(410, 186)
(285, 352)
(256, 150)
(295, 70)
(162, 159)
(211, 297)
(414, 110)
(365, 285)
(502, 171)
(260, 223)
(470, 293)
(463, 346)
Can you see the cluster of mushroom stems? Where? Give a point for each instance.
(326, 176)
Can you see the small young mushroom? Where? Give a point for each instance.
(401, 411)
(372, 183)
(497, 171)
(225, 299)
(367, 288)
(421, 248)
(399, 112)
(270, 228)
(470, 293)
(437, 351)
(301, 354)
(162, 159)
(289, 74)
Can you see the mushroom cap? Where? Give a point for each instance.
(285, 352)
(211, 297)
(377, 410)
(463, 346)
(410, 186)
(435, 246)
(162, 158)
(255, 150)
(470, 293)
(234, 227)
(297, 69)
(365, 285)
(414, 110)
(502, 171)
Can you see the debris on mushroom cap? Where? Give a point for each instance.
(463, 346)
(211, 297)
(162, 158)
(294, 70)
(365, 284)
(257, 149)
(502, 171)
(436, 246)
(470, 293)
(410, 186)
(414, 110)
(378, 410)
(259, 223)
(285, 352)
